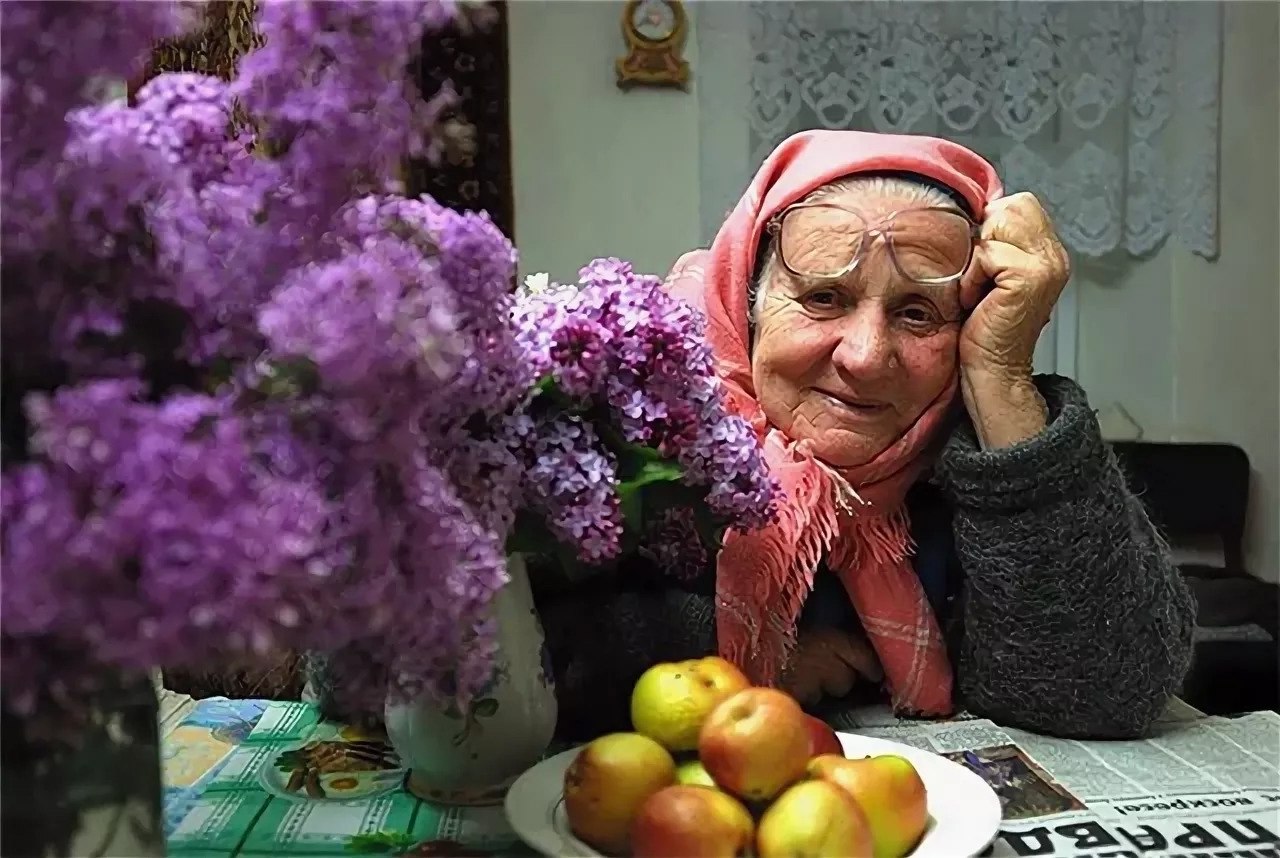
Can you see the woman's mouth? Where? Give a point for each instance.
(861, 407)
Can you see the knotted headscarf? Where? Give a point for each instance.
(854, 518)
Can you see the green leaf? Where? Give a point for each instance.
(645, 454)
(632, 458)
(486, 707)
(549, 398)
(631, 505)
(635, 494)
(531, 536)
(547, 385)
(288, 377)
(665, 471)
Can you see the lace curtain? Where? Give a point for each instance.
(1107, 111)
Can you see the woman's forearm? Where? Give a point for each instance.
(1075, 620)
(1005, 411)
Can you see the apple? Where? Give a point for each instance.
(814, 819)
(671, 700)
(890, 792)
(691, 822)
(607, 782)
(721, 675)
(755, 743)
(823, 739)
(693, 773)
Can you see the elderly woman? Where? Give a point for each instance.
(955, 531)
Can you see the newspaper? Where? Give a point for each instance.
(1200, 786)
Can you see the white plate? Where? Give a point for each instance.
(964, 811)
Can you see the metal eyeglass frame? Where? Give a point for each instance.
(774, 229)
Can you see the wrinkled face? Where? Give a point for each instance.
(850, 364)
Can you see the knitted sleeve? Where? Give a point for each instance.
(1075, 621)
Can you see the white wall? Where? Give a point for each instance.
(598, 172)
(1188, 347)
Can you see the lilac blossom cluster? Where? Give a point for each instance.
(267, 403)
(626, 353)
(233, 352)
(571, 480)
(56, 60)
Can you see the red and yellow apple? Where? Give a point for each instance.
(755, 743)
(670, 701)
(721, 675)
(814, 819)
(822, 738)
(691, 822)
(890, 792)
(606, 784)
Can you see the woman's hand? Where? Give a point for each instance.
(1020, 254)
(829, 662)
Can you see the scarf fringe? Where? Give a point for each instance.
(876, 538)
(778, 563)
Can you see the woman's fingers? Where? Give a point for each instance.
(805, 687)
(803, 680)
(857, 652)
(839, 679)
(830, 662)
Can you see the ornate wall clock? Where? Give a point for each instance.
(655, 32)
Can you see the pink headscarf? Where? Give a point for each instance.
(763, 577)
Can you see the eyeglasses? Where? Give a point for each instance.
(929, 246)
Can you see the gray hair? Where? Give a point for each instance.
(911, 190)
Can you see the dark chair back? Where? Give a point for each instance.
(1192, 490)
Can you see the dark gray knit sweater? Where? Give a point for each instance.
(1071, 620)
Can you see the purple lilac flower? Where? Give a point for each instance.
(144, 523)
(623, 341)
(185, 118)
(353, 483)
(488, 471)
(326, 496)
(377, 326)
(538, 319)
(469, 256)
(127, 196)
(580, 356)
(232, 542)
(57, 57)
(336, 72)
(572, 480)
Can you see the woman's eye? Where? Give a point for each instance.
(918, 315)
(822, 299)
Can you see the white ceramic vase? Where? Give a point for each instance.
(471, 757)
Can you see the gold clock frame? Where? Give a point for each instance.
(649, 62)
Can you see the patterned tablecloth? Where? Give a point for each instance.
(253, 778)
(236, 783)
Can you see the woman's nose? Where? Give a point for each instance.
(865, 349)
